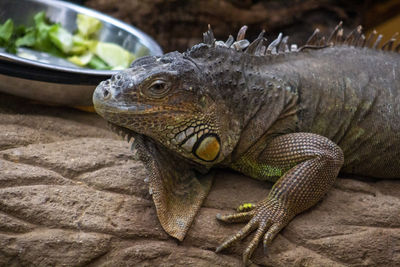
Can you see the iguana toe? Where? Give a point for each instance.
(268, 218)
(247, 229)
(236, 217)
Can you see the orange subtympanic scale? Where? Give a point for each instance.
(208, 149)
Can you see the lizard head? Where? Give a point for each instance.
(164, 98)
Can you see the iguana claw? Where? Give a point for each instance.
(268, 218)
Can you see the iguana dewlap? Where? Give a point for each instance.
(292, 116)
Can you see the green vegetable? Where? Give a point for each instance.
(28, 39)
(6, 31)
(81, 48)
(81, 45)
(87, 25)
(43, 41)
(81, 60)
(98, 64)
(114, 55)
(61, 38)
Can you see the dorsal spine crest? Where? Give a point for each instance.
(260, 46)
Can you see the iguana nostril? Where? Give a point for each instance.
(106, 93)
(116, 77)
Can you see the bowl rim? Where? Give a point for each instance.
(145, 39)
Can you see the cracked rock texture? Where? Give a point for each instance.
(71, 194)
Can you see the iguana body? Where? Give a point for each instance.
(295, 118)
(349, 95)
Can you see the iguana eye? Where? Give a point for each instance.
(157, 89)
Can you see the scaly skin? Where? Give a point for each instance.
(295, 118)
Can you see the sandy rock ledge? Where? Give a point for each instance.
(72, 195)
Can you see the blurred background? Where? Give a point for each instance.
(178, 24)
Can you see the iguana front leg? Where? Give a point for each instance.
(177, 189)
(310, 163)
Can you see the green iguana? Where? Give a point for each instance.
(293, 116)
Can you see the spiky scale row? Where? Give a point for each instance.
(125, 134)
(389, 44)
(260, 46)
(354, 38)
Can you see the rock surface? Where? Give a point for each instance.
(72, 195)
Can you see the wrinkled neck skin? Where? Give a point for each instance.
(251, 93)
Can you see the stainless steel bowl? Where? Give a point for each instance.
(57, 81)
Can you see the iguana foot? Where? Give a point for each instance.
(267, 218)
(310, 164)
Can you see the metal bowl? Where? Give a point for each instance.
(55, 80)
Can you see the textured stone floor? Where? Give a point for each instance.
(72, 195)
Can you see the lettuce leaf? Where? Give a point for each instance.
(114, 55)
(6, 30)
(61, 38)
(87, 25)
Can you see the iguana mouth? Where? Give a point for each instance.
(104, 102)
(103, 106)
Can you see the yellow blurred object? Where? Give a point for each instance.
(86, 108)
(387, 29)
